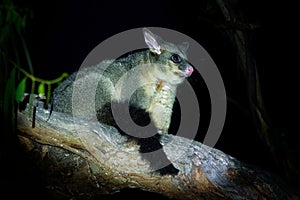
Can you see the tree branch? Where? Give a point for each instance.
(242, 39)
(83, 159)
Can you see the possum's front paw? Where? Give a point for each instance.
(160, 131)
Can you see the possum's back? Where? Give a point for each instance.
(81, 86)
(97, 82)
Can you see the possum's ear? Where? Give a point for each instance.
(152, 41)
(183, 47)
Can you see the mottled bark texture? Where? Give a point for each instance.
(81, 159)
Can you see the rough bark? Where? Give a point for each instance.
(241, 36)
(82, 160)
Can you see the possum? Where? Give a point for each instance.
(146, 79)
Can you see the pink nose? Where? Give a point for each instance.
(190, 70)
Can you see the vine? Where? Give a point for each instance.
(14, 53)
(21, 88)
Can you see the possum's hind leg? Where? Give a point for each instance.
(150, 147)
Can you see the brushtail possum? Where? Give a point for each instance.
(157, 71)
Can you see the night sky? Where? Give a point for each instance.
(62, 33)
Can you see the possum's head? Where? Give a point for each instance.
(169, 59)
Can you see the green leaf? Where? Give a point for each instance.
(21, 90)
(24, 21)
(8, 93)
(9, 102)
(4, 33)
(41, 90)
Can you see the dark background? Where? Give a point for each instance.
(62, 33)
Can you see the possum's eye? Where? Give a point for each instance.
(176, 58)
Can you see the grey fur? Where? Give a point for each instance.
(147, 79)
